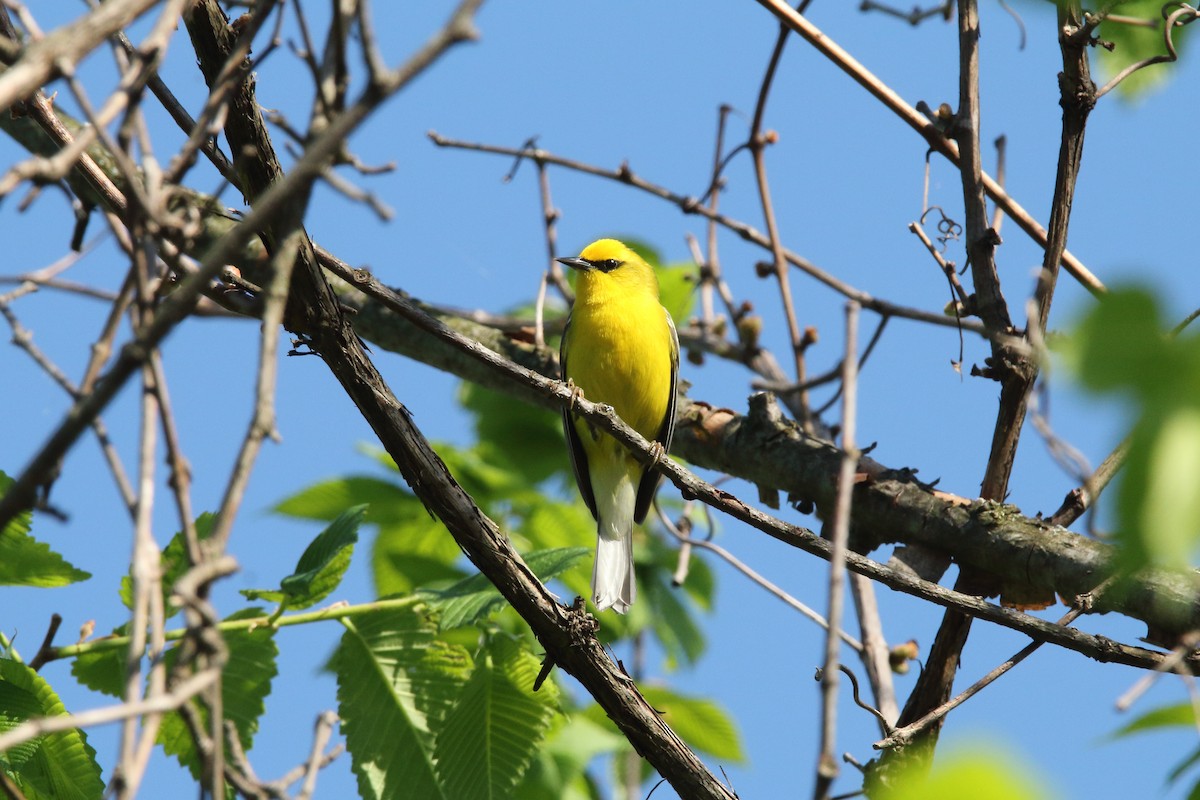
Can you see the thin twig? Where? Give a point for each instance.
(690, 205)
(827, 765)
(316, 756)
(23, 493)
(31, 729)
(754, 576)
(1172, 20)
(919, 123)
(1183, 650)
(758, 144)
(262, 421)
(905, 735)
(875, 655)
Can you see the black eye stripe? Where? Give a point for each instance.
(607, 265)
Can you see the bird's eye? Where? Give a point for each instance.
(607, 265)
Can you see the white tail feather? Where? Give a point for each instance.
(612, 575)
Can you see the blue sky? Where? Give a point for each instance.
(641, 82)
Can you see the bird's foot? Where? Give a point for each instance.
(658, 454)
(576, 393)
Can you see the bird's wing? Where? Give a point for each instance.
(650, 478)
(579, 464)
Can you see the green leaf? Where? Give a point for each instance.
(551, 525)
(396, 683)
(1121, 346)
(475, 597)
(16, 706)
(327, 499)
(321, 566)
(64, 765)
(674, 625)
(1159, 503)
(524, 439)
(490, 736)
(1173, 716)
(103, 670)
(558, 771)
(24, 561)
(700, 722)
(485, 480)
(677, 290)
(1183, 766)
(175, 562)
(245, 684)
(413, 552)
(1132, 43)
(982, 775)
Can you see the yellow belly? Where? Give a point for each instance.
(622, 357)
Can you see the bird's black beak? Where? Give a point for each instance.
(576, 263)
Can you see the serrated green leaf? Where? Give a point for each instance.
(983, 775)
(321, 566)
(103, 670)
(396, 683)
(245, 684)
(1173, 716)
(24, 561)
(493, 731)
(263, 595)
(16, 706)
(700, 722)
(64, 765)
(475, 597)
(524, 439)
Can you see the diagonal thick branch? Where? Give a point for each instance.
(772, 452)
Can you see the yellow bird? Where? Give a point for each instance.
(620, 348)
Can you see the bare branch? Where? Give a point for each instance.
(919, 123)
(827, 765)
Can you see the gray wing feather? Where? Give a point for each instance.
(579, 464)
(651, 477)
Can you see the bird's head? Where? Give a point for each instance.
(607, 264)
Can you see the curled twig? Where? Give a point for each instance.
(1173, 20)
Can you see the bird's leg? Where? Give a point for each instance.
(658, 454)
(576, 393)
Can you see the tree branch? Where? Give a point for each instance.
(919, 123)
(773, 453)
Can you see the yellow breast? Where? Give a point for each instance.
(618, 352)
